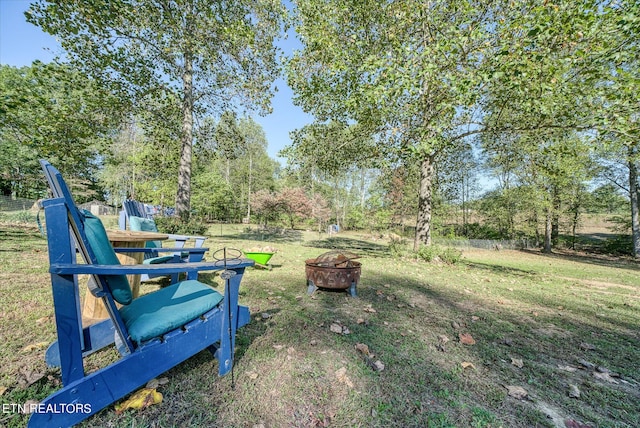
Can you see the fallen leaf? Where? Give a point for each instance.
(29, 377)
(442, 340)
(363, 348)
(140, 400)
(586, 364)
(517, 392)
(336, 328)
(466, 339)
(602, 369)
(35, 346)
(369, 309)
(605, 376)
(466, 365)
(567, 368)
(587, 346)
(341, 375)
(360, 321)
(517, 362)
(154, 383)
(252, 375)
(474, 318)
(3, 389)
(43, 320)
(378, 366)
(574, 392)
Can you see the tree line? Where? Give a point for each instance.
(413, 100)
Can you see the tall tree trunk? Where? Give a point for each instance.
(465, 190)
(423, 223)
(555, 217)
(249, 190)
(183, 198)
(547, 231)
(363, 195)
(633, 195)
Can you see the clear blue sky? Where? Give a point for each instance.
(21, 43)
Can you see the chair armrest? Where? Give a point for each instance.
(167, 268)
(201, 250)
(182, 239)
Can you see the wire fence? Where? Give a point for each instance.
(8, 203)
(489, 244)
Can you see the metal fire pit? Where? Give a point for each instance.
(333, 270)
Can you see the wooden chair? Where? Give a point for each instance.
(153, 332)
(135, 216)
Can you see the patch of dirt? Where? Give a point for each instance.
(602, 285)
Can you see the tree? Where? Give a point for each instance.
(229, 142)
(254, 169)
(295, 204)
(607, 199)
(573, 66)
(619, 121)
(213, 56)
(266, 205)
(51, 111)
(406, 72)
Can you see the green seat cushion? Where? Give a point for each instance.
(157, 313)
(157, 260)
(140, 224)
(103, 251)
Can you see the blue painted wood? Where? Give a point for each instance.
(137, 209)
(85, 394)
(96, 337)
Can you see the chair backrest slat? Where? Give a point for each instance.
(60, 189)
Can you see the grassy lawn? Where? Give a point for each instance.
(454, 341)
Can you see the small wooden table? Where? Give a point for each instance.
(93, 310)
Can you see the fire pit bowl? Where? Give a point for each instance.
(333, 270)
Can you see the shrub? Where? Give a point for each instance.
(23, 216)
(451, 255)
(447, 255)
(193, 226)
(397, 246)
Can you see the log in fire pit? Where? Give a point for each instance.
(333, 270)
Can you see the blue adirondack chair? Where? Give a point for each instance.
(135, 215)
(153, 332)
